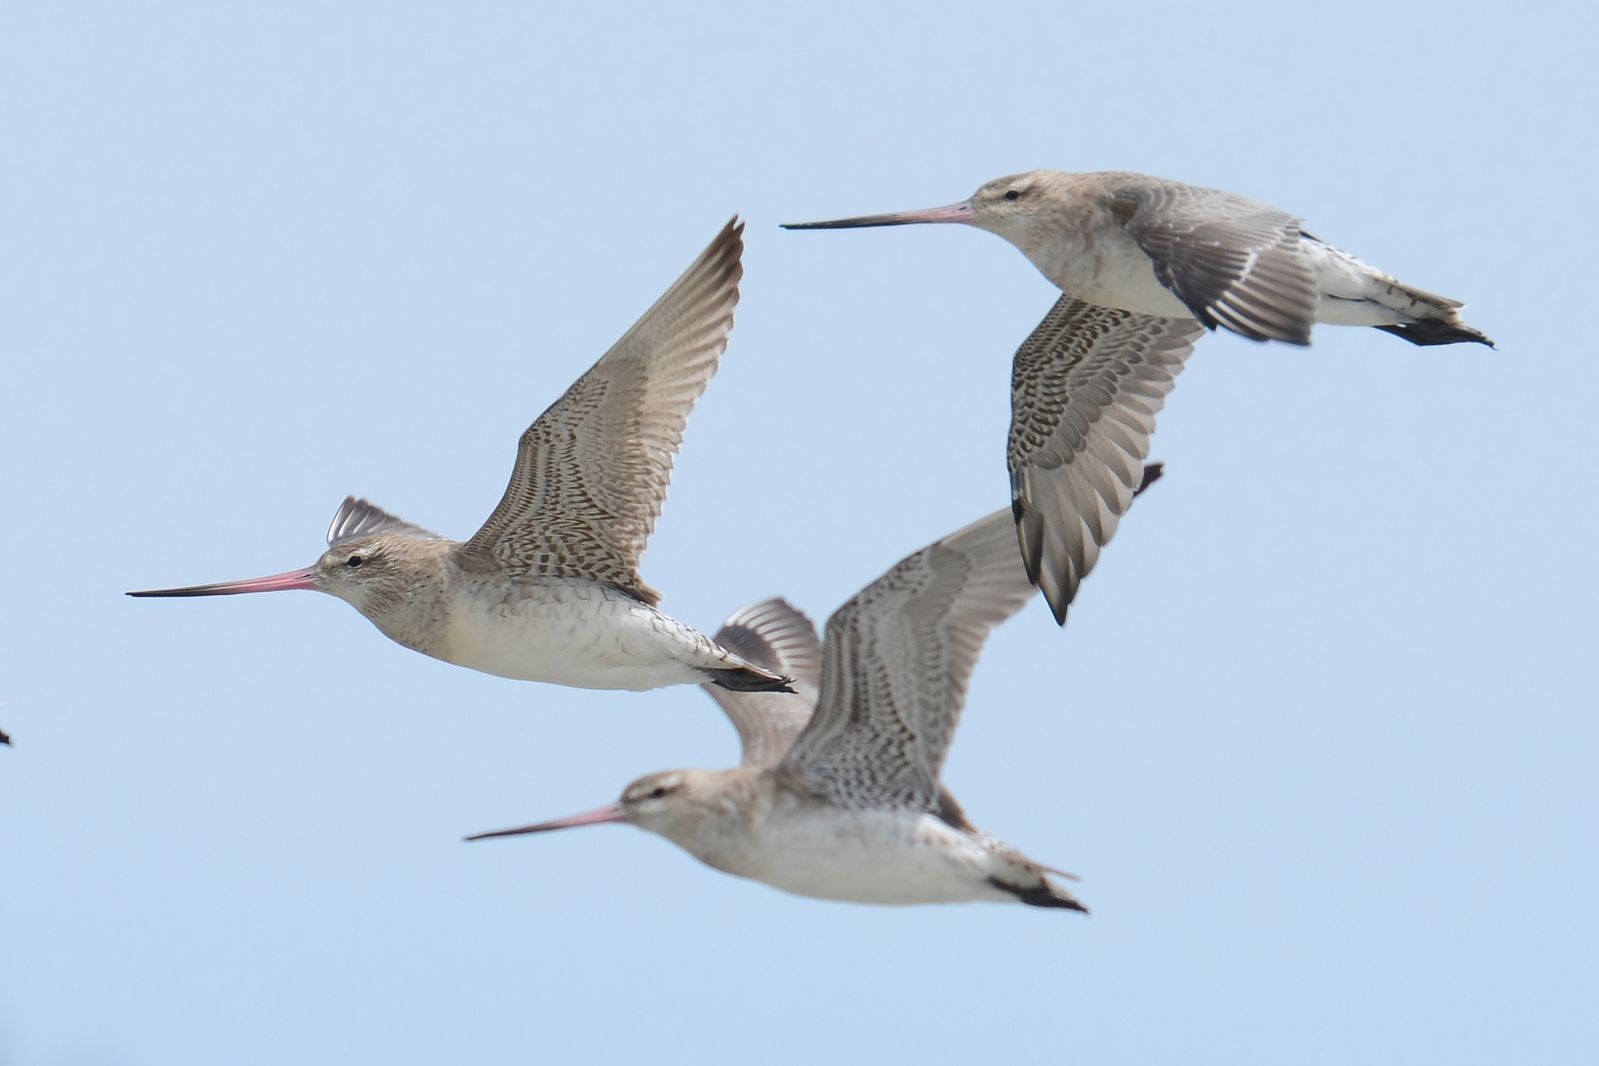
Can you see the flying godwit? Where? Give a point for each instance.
(838, 796)
(549, 588)
(1159, 247)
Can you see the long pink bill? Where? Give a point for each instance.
(961, 212)
(611, 812)
(294, 579)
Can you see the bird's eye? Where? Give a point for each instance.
(657, 792)
(354, 561)
(1013, 194)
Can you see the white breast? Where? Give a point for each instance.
(1104, 267)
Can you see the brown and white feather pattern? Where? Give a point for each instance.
(1086, 386)
(1234, 262)
(777, 637)
(895, 667)
(592, 472)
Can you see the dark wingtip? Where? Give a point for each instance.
(5, 738)
(744, 679)
(1059, 610)
(1429, 332)
(1043, 895)
(1153, 472)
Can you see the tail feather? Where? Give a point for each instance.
(1355, 293)
(1428, 299)
(1433, 319)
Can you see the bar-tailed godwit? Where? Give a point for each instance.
(549, 588)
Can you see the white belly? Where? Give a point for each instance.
(577, 634)
(868, 857)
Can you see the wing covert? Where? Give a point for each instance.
(592, 472)
(777, 637)
(1235, 263)
(1086, 386)
(896, 663)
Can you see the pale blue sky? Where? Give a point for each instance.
(1320, 736)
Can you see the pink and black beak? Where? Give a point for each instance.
(611, 812)
(961, 212)
(295, 579)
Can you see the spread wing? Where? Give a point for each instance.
(895, 667)
(592, 472)
(1086, 386)
(358, 518)
(773, 635)
(1235, 263)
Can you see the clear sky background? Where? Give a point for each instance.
(1320, 736)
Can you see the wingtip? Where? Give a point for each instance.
(727, 251)
(774, 635)
(1043, 894)
(360, 517)
(750, 679)
(1058, 609)
(1153, 472)
(1432, 332)
(734, 229)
